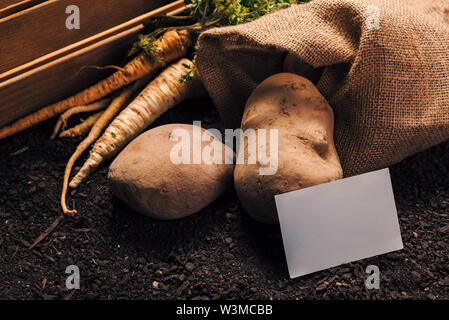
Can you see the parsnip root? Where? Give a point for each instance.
(94, 133)
(164, 92)
(81, 128)
(62, 121)
(172, 45)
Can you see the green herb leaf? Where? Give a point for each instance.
(209, 13)
(188, 76)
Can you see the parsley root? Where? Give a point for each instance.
(75, 110)
(171, 45)
(94, 133)
(165, 91)
(81, 128)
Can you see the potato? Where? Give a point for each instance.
(306, 151)
(145, 177)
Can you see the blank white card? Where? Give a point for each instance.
(338, 222)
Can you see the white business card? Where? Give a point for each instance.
(338, 222)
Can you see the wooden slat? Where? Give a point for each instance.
(12, 6)
(8, 3)
(39, 30)
(55, 80)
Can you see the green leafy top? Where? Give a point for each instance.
(232, 12)
(189, 75)
(148, 44)
(203, 14)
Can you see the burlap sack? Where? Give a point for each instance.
(383, 65)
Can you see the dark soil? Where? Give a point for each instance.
(217, 253)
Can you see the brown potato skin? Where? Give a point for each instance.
(146, 179)
(306, 153)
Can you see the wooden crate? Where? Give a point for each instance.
(41, 29)
(53, 76)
